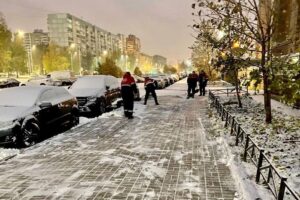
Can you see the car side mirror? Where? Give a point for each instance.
(107, 87)
(44, 105)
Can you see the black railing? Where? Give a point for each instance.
(266, 172)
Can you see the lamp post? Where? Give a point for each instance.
(72, 47)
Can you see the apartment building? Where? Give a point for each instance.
(133, 45)
(65, 30)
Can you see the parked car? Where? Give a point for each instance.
(27, 113)
(159, 81)
(166, 79)
(10, 82)
(138, 79)
(38, 80)
(96, 94)
(62, 78)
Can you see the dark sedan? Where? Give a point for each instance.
(11, 82)
(96, 94)
(27, 113)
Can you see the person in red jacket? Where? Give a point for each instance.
(128, 88)
(150, 88)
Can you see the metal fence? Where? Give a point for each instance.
(266, 173)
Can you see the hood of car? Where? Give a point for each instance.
(78, 92)
(10, 113)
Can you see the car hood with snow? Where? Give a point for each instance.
(10, 113)
(83, 92)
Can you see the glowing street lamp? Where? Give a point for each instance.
(20, 33)
(236, 44)
(105, 53)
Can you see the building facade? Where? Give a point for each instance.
(145, 63)
(65, 30)
(159, 62)
(133, 45)
(34, 43)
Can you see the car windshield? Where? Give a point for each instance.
(91, 82)
(17, 97)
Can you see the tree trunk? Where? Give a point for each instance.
(237, 89)
(267, 94)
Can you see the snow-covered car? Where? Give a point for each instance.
(96, 94)
(38, 80)
(27, 113)
(159, 81)
(62, 78)
(10, 82)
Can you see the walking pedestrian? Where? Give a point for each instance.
(128, 88)
(192, 83)
(203, 78)
(150, 88)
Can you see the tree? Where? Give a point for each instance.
(56, 59)
(256, 77)
(109, 67)
(137, 71)
(182, 67)
(18, 58)
(170, 69)
(252, 20)
(5, 40)
(87, 61)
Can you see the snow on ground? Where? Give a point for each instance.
(280, 107)
(280, 140)
(7, 153)
(163, 146)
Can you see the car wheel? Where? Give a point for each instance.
(74, 120)
(29, 134)
(102, 107)
(42, 84)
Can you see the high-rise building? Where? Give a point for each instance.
(65, 30)
(159, 62)
(122, 43)
(33, 42)
(133, 45)
(37, 37)
(145, 63)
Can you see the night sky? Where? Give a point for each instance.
(162, 25)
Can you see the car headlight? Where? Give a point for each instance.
(92, 99)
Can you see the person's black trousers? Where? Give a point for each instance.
(128, 101)
(202, 90)
(153, 93)
(191, 90)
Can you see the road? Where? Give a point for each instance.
(163, 153)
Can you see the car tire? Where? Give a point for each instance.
(101, 107)
(42, 84)
(29, 134)
(74, 120)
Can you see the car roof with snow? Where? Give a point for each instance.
(22, 96)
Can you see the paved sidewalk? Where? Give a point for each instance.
(161, 154)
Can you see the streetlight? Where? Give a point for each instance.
(72, 48)
(236, 44)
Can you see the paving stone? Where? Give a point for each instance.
(161, 155)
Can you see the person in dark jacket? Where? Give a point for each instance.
(128, 88)
(150, 88)
(203, 78)
(192, 83)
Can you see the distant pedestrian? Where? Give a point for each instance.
(150, 88)
(128, 88)
(192, 83)
(203, 78)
